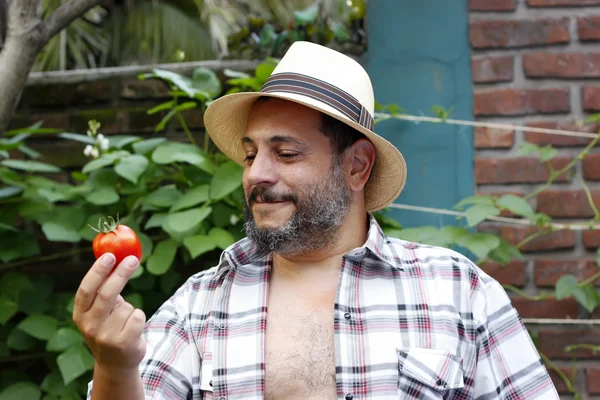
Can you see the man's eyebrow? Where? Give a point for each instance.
(277, 139)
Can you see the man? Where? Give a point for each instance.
(316, 303)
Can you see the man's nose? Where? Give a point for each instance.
(262, 171)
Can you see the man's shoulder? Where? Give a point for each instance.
(410, 255)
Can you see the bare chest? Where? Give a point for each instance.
(300, 351)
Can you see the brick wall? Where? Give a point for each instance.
(537, 63)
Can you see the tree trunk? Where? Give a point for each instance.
(26, 34)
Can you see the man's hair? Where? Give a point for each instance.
(341, 136)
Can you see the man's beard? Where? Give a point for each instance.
(315, 222)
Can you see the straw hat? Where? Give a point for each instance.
(327, 81)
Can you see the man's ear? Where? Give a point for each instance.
(359, 160)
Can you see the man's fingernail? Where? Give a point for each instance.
(130, 262)
(108, 260)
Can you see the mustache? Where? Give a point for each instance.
(269, 195)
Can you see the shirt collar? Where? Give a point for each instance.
(378, 245)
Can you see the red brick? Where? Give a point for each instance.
(492, 5)
(591, 239)
(512, 273)
(521, 102)
(493, 138)
(588, 28)
(135, 89)
(542, 139)
(567, 203)
(561, 3)
(559, 384)
(67, 94)
(553, 342)
(590, 97)
(591, 166)
(55, 120)
(566, 65)
(548, 308)
(548, 271)
(519, 33)
(563, 239)
(517, 170)
(492, 69)
(593, 380)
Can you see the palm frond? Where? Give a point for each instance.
(158, 31)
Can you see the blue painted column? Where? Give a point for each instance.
(419, 56)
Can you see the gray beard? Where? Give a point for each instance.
(313, 225)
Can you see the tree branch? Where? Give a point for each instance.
(22, 15)
(65, 14)
(3, 20)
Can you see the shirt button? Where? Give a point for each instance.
(222, 398)
(439, 382)
(222, 325)
(347, 315)
(349, 397)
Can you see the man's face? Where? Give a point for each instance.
(295, 189)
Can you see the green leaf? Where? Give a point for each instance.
(307, 15)
(479, 213)
(341, 31)
(475, 200)
(30, 166)
(120, 141)
(526, 148)
(131, 167)
(207, 81)
(164, 196)
(103, 196)
(160, 261)
(17, 245)
(19, 340)
(12, 283)
(147, 246)
(87, 233)
(9, 191)
(598, 256)
(4, 350)
(156, 220)
(566, 286)
(8, 308)
(180, 81)
(170, 281)
(515, 204)
(199, 244)
(148, 145)
(21, 391)
(263, 71)
(221, 237)
(58, 231)
(479, 244)
(103, 161)
(63, 339)
(547, 153)
(54, 385)
(78, 137)
(161, 107)
(165, 120)
(505, 252)
(227, 178)
(183, 221)
(173, 152)
(39, 326)
(28, 151)
(74, 362)
(588, 297)
(194, 196)
(421, 234)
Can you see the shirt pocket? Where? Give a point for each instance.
(428, 373)
(206, 372)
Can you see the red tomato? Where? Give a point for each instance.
(118, 239)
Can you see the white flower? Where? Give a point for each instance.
(88, 150)
(95, 152)
(103, 142)
(233, 219)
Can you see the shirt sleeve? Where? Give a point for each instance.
(508, 366)
(170, 367)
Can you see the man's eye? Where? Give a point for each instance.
(288, 156)
(249, 158)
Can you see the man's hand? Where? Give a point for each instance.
(111, 327)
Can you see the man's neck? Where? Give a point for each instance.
(352, 234)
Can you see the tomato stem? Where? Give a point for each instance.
(105, 226)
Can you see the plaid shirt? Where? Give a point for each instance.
(411, 322)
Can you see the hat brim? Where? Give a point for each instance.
(226, 119)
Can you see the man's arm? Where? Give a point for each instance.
(508, 366)
(111, 386)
